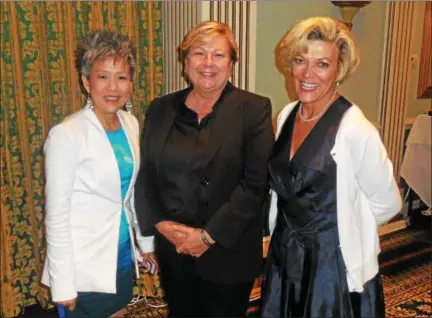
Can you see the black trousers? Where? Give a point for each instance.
(188, 295)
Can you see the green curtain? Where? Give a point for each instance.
(39, 87)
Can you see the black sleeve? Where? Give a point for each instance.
(147, 206)
(230, 221)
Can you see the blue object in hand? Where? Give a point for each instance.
(61, 311)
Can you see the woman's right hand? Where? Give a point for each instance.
(167, 229)
(69, 304)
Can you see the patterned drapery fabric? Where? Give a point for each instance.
(39, 88)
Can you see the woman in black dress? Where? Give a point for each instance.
(332, 185)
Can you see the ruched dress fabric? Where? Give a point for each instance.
(305, 274)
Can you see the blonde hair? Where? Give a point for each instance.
(203, 33)
(296, 41)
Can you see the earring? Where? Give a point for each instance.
(128, 106)
(89, 103)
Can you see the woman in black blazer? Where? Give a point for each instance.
(203, 179)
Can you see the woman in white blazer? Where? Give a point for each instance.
(332, 185)
(91, 163)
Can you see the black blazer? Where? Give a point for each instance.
(239, 147)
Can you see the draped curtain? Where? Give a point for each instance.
(39, 87)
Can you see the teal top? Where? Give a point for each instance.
(125, 163)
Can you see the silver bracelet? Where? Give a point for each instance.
(204, 239)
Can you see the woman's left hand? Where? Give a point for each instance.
(193, 244)
(147, 260)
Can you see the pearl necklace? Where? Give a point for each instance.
(320, 114)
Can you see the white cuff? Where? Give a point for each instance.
(62, 291)
(146, 243)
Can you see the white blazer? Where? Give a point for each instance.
(367, 193)
(83, 205)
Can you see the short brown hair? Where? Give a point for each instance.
(296, 40)
(104, 44)
(204, 33)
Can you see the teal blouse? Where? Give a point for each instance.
(125, 163)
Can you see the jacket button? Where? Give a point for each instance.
(204, 182)
(205, 204)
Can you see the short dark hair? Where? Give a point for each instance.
(104, 44)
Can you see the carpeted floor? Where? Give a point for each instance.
(146, 308)
(406, 272)
(405, 264)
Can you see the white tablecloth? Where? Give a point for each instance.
(416, 164)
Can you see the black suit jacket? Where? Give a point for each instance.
(235, 171)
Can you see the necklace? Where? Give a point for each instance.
(320, 114)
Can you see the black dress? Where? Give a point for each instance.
(305, 274)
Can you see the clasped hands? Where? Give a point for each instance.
(186, 239)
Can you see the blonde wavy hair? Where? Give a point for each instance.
(297, 39)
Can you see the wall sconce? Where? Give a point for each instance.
(349, 9)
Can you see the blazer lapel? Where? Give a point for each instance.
(103, 153)
(224, 115)
(167, 120)
(91, 116)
